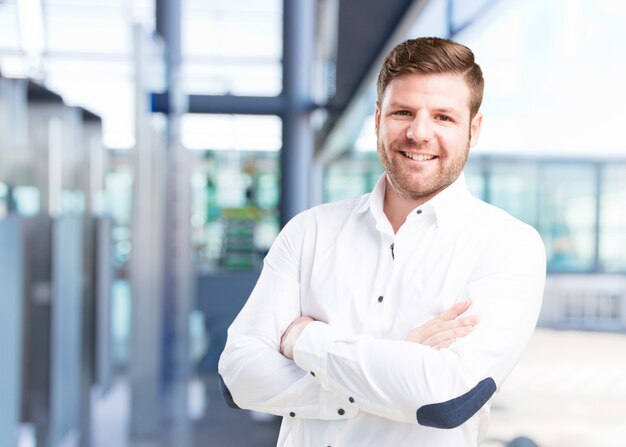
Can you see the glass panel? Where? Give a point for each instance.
(9, 32)
(432, 21)
(79, 33)
(352, 177)
(567, 209)
(232, 47)
(228, 132)
(513, 186)
(113, 99)
(468, 12)
(26, 200)
(4, 200)
(531, 76)
(11, 331)
(246, 78)
(613, 219)
(119, 194)
(475, 177)
(234, 217)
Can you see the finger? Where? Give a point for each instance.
(433, 327)
(455, 310)
(451, 334)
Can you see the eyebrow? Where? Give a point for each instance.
(445, 110)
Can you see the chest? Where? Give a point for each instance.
(362, 283)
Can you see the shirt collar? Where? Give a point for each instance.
(445, 206)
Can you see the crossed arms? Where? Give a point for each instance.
(320, 372)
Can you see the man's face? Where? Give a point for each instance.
(424, 133)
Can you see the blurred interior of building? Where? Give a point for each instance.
(151, 150)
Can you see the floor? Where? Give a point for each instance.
(569, 390)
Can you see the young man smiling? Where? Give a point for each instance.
(392, 318)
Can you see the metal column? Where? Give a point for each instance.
(11, 278)
(145, 361)
(298, 137)
(177, 267)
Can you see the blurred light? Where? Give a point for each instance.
(231, 132)
(366, 142)
(30, 16)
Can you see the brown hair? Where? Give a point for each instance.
(433, 55)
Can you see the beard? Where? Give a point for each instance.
(421, 183)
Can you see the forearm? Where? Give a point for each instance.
(389, 378)
(260, 378)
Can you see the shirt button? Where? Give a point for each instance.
(312, 373)
(419, 211)
(380, 299)
(341, 412)
(351, 399)
(292, 414)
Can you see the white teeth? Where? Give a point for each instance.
(418, 157)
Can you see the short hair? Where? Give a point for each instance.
(433, 55)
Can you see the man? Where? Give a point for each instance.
(392, 318)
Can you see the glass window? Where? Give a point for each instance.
(613, 219)
(475, 177)
(348, 178)
(232, 47)
(9, 32)
(4, 200)
(567, 215)
(231, 132)
(235, 197)
(242, 77)
(513, 186)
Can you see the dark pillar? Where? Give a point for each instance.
(298, 139)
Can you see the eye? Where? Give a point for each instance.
(401, 113)
(444, 118)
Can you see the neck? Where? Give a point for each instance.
(397, 207)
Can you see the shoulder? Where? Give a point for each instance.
(321, 221)
(334, 213)
(501, 228)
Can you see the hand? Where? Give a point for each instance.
(445, 329)
(291, 335)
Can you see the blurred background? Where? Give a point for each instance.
(151, 150)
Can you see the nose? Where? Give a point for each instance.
(421, 128)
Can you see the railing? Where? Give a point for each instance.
(585, 302)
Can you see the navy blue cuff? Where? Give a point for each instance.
(454, 412)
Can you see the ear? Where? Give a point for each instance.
(475, 127)
(377, 118)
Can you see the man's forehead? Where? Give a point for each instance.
(449, 87)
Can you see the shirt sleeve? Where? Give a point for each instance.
(409, 382)
(255, 373)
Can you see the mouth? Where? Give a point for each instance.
(418, 157)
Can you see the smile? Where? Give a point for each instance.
(418, 157)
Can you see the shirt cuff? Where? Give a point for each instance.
(311, 350)
(310, 353)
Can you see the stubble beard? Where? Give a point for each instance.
(414, 186)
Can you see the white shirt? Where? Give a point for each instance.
(354, 381)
